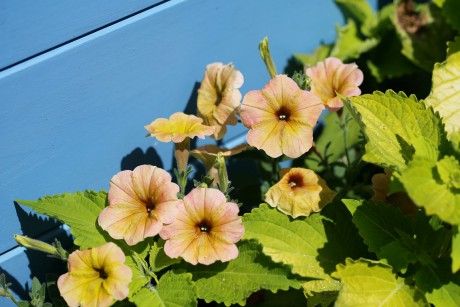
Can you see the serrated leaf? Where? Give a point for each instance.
(423, 33)
(233, 282)
(397, 127)
(425, 186)
(455, 253)
(441, 287)
(445, 91)
(320, 53)
(349, 45)
(173, 289)
(139, 278)
(361, 12)
(158, 259)
(79, 211)
(361, 279)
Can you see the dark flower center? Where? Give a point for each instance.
(150, 205)
(102, 274)
(295, 181)
(204, 227)
(283, 114)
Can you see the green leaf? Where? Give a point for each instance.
(423, 33)
(173, 289)
(349, 45)
(158, 259)
(450, 9)
(79, 211)
(432, 185)
(441, 287)
(233, 282)
(139, 278)
(445, 91)
(455, 253)
(360, 12)
(370, 283)
(397, 127)
(320, 53)
(352, 204)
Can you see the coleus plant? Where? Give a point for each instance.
(368, 214)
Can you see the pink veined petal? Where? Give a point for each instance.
(207, 253)
(193, 204)
(142, 178)
(297, 139)
(255, 109)
(121, 189)
(267, 136)
(214, 202)
(70, 290)
(225, 252)
(228, 213)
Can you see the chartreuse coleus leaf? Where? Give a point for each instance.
(423, 33)
(349, 44)
(435, 186)
(79, 211)
(371, 283)
(158, 259)
(320, 53)
(445, 91)
(441, 287)
(233, 282)
(397, 127)
(361, 12)
(173, 289)
(311, 246)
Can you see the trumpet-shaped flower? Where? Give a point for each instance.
(281, 118)
(178, 127)
(219, 97)
(140, 203)
(299, 192)
(96, 277)
(331, 77)
(208, 153)
(205, 230)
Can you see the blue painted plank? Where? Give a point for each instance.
(73, 117)
(28, 27)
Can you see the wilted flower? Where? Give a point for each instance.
(299, 192)
(331, 77)
(140, 202)
(96, 277)
(281, 117)
(205, 230)
(219, 97)
(179, 128)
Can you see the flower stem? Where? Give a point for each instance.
(266, 57)
(182, 151)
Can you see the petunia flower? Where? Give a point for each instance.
(299, 192)
(205, 230)
(331, 77)
(179, 128)
(140, 203)
(281, 117)
(96, 277)
(219, 97)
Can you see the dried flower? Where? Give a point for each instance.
(96, 277)
(206, 229)
(140, 203)
(219, 97)
(331, 77)
(299, 192)
(281, 118)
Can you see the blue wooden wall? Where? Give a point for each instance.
(80, 79)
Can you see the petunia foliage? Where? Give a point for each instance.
(343, 191)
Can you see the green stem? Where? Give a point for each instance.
(344, 125)
(266, 57)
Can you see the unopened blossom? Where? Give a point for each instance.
(281, 117)
(140, 203)
(205, 230)
(179, 128)
(219, 97)
(96, 277)
(299, 192)
(331, 77)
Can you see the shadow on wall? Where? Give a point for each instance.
(40, 265)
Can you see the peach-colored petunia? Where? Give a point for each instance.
(179, 128)
(96, 277)
(299, 192)
(331, 77)
(206, 229)
(140, 203)
(281, 117)
(219, 97)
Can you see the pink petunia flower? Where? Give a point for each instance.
(281, 117)
(140, 203)
(331, 77)
(96, 277)
(219, 97)
(205, 230)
